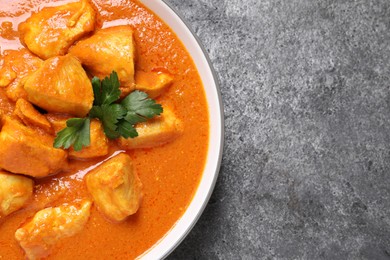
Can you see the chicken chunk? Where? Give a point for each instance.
(98, 146)
(155, 132)
(16, 66)
(15, 191)
(115, 188)
(49, 226)
(7, 75)
(26, 151)
(51, 31)
(6, 106)
(30, 116)
(99, 142)
(108, 50)
(57, 121)
(61, 85)
(153, 83)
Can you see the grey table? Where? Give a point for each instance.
(306, 167)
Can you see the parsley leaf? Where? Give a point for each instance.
(106, 91)
(118, 119)
(140, 107)
(127, 129)
(76, 133)
(109, 115)
(97, 91)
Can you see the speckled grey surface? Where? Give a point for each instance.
(306, 167)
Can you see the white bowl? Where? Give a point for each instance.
(173, 238)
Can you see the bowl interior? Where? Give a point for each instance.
(168, 243)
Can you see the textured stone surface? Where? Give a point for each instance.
(306, 167)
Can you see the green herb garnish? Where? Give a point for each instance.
(118, 119)
(76, 133)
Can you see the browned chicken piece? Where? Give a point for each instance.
(61, 85)
(15, 66)
(49, 226)
(99, 141)
(115, 187)
(15, 191)
(108, 50)
(6, 106)
(7, 75)
(98, 146)
(51, 31)
(155, 132)
(30, 116)
(153, 83)
(57, 121)
(24, 150)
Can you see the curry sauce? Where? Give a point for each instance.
(169, 173)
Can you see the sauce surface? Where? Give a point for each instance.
(170, 174)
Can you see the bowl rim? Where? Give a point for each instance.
(173, 238)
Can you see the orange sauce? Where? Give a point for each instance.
(170, 174)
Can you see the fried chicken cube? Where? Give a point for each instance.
(61, 85)
(110, 49)
(57, 121)
(98, 146)
(6, 106)
(16, 66)
(51, 31)
(24, 150)
(155, 132)
(30, 116)
(153, 83)
(99, 142)
(15, 191)
(7, 75)
(115, 187)
(50, 225)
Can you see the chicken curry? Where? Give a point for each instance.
(103, 129)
